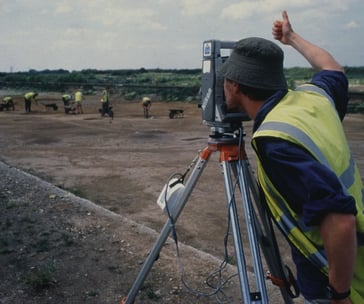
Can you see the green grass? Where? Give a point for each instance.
(41, 277)
(67, 240)
(77, 192)
(42, 245)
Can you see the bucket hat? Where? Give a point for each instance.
(256, 62)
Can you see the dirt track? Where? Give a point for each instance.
(122, 166)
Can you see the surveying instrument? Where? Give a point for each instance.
(226, 137)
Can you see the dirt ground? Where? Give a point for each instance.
(89, 218)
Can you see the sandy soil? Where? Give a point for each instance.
(99, 237)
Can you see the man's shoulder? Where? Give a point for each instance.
(329, 77)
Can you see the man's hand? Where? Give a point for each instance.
(282, 29)
(319, 58)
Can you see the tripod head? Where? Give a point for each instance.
(214, 110)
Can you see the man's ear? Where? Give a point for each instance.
(234, 87)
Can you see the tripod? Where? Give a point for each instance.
(234, 162)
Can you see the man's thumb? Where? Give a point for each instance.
(285, 16)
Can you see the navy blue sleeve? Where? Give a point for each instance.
(336, 85)
(310, 188)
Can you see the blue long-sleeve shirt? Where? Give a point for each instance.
(308, 186)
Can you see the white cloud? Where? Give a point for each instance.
(74, 34)
(240, 10)
(351, 25)
(193, 7)
(133, 18)
(62, 8)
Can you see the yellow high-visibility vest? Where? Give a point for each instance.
(294, 119)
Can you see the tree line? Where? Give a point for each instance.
(169, 84)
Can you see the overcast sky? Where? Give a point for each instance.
(123, 34)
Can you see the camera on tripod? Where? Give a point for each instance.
(213, 104)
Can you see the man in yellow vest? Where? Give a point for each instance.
(78, 101)
(69, 106)
(7, 103)
(105, 101)
(28, 99)
(310, 182)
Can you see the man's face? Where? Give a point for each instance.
(233, 101)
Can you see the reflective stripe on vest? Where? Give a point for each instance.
(346, 178)
(310, 87)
